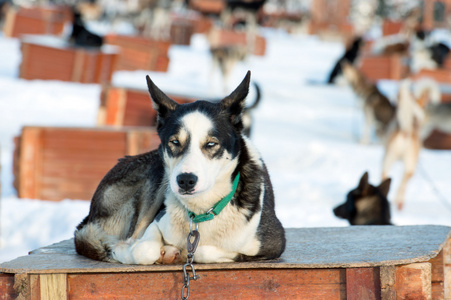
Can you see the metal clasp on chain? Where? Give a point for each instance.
(191, 247)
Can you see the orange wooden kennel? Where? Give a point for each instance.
(55, 163)
(51, 58)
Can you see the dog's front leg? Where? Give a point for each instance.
(143, 251)
(369, 123)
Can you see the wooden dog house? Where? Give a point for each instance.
(52, 58)
(331, 19)
(354, 263)
(55, 163)
(140, 53)
(226, 37)
(208, 7)
(36, 20)
(120, 106)
(438, 140)
(377, 67)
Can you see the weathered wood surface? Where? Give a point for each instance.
(339, 247)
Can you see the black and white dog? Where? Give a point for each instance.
(141, 210)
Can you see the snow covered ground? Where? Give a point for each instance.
(307, 134)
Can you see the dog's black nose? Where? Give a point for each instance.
(187, 181)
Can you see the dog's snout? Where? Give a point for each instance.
(187, 181)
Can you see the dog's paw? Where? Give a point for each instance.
(121, 252)
(169, 255)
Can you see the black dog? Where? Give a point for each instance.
(350, 55)
(366, 204)
(253, 6)
(80, 36)
(438, 51)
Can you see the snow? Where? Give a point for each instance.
(307, 133)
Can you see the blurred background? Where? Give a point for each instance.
(73, 99)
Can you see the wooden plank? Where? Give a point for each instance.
(23, 286)
(230, 284)
(363, 283)
(447, 269)
(413, 281)
(30, 162)
(53, 286)
(437, 277)
(387, 282)
(78, 66)
(7, 287)
(115, 106)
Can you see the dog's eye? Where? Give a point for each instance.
(210, 144)
(175, 142)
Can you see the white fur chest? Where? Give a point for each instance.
(221, 239)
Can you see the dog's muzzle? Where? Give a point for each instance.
(186, 182)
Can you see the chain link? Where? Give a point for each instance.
(191, 246)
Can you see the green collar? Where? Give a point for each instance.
(217, 208)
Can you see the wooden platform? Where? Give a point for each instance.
(360, 262)
(36, 20)
(227, 37)
(52, 58)
(121, 106)
(55, 163)
(438, 140)
(140, 53)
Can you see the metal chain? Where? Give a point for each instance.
(191, 247)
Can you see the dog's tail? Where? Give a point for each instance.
(258, 96)
(93, 242)
(426, 90)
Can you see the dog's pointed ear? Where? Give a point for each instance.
(363, 184)
(234, 103)
(161, 103)
(384, 187)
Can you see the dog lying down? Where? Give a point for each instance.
(142, 208)
(366, 204)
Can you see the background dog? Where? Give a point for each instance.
(349, 56)
(404, 141)
(378, 110)
(141, 210)
(80, 36)
(366, 204)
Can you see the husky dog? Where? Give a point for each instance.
(349, 56)
(378, 110)
(142, 209)
(404, 142)
(224, 58)
(427, 54)
(366, 204)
